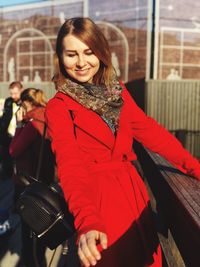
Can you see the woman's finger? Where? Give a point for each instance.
(88, 245)
(19, 114)
(91, 242)
(103, 240)
(83, 244)
(84, 261)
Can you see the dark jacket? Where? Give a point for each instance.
(5, 120)
(5, 139)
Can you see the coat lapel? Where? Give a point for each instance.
(88, 121)
(123, 141)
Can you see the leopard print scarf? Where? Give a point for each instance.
(107, 102)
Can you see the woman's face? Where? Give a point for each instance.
(79, 61)
(27, 106)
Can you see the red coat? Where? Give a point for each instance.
(101, 186)
(25, 147)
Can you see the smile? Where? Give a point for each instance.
(82, 72)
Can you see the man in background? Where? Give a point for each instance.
(8, 120)
(10, 226)
(7, 128)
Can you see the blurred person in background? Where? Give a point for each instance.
(7, 127)
(10, 227)
(25, 148)
(25, 145)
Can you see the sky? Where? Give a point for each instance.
(5, 3)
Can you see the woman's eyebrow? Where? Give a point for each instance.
(68, 50)
(85, 50)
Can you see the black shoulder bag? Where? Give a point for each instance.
(43, 208)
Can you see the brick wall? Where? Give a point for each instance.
(175, 51)
(179, 39)
(27, 52)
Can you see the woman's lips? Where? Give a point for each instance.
(82, 72)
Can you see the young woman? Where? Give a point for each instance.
(92, 121)
(25, 149)
(25, 145)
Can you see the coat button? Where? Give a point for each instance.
(125, 157)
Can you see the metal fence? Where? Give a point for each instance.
(176, 105)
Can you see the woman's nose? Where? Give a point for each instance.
(81, 61)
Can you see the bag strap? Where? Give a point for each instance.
(41, 153)
(42, 145)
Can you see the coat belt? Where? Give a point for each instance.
(109, 166)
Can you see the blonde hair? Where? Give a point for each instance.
(89, 33)
(35, 96)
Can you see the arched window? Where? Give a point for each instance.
(28, 56)
(119, 48)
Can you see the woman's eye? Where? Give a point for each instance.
(88, 53)
(71, 55)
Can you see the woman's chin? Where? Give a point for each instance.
(82, 79)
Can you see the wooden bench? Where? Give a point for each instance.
(175, 200)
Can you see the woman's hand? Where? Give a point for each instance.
(87, 247)
(20, 114)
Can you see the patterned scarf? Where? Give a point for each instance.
(105, 101)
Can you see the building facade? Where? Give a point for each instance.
(28, 35)
(157, 39)
(177, 39)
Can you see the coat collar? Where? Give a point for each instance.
(89, 121)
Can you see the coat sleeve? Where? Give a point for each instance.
(74, 178)
(156, 138)
(22, 139)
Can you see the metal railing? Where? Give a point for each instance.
(176, 105)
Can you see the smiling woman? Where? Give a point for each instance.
(92, 121)
(79, 60)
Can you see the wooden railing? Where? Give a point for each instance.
(175, 200)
